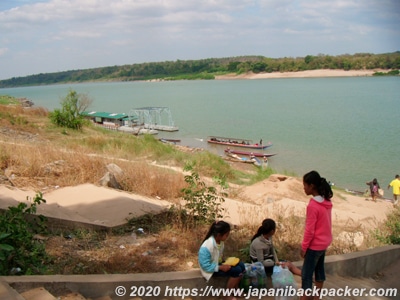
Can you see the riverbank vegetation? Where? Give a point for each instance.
(38, 155)
(90, 147)
(7, 100)
(208, 68)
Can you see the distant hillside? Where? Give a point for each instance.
(208, 68)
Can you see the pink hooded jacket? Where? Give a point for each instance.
(318, 231)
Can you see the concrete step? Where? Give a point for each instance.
(7, 292)
(332, 283)
(72, 296)
(102, 287)
(39, 293)
(104, 298)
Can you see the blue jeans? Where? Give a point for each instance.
(313, 263)
(235, 271)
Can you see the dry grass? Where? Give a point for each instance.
(153, 181)
(171, 248)
(167, 246)
(36, 155)
(41, 166)
(46, 167)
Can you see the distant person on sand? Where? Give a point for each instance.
(318, 231)
(374, 188)
(395, 184)
(262, 249)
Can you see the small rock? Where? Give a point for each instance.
(39, 237)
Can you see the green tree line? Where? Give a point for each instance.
(208, 68)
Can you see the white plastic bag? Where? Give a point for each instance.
(283, 279)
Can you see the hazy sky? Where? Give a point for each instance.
(40, 36)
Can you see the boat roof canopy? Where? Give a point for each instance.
(106, 115)
(152, 108)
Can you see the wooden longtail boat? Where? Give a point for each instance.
(249, 153)
(235, 142)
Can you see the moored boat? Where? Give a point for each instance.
(248, 153)
(235, 142)
(169, 141)
(252, 159)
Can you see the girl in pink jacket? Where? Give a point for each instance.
(318, 230)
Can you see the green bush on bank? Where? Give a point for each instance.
(201, 76)
(20, 253)
(390, 73)
(69, 116)
(203, 202)
(389, 232)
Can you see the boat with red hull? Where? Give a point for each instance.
(248, 153)
(235, 142)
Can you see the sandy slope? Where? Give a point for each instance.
(277, 195)
(87, 203)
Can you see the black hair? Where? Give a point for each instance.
(375, 181)
(267, 226)
(320, 183)
(220, 227)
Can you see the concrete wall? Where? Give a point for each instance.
(357, 264)
(362, 264)
(54, 225)
(96, 286)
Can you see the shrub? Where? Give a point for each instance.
(4, 248)
(70, 114)
(19, 252)
(202, 202)
(389, 233)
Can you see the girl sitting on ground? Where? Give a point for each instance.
(262, 249)
(211, 256)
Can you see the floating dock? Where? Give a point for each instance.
(154, 118)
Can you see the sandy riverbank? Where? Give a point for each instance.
(300, 74)
(272, 197)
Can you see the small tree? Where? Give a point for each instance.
(203, 203)
(70, 114)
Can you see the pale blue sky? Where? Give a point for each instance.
(40, 36)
